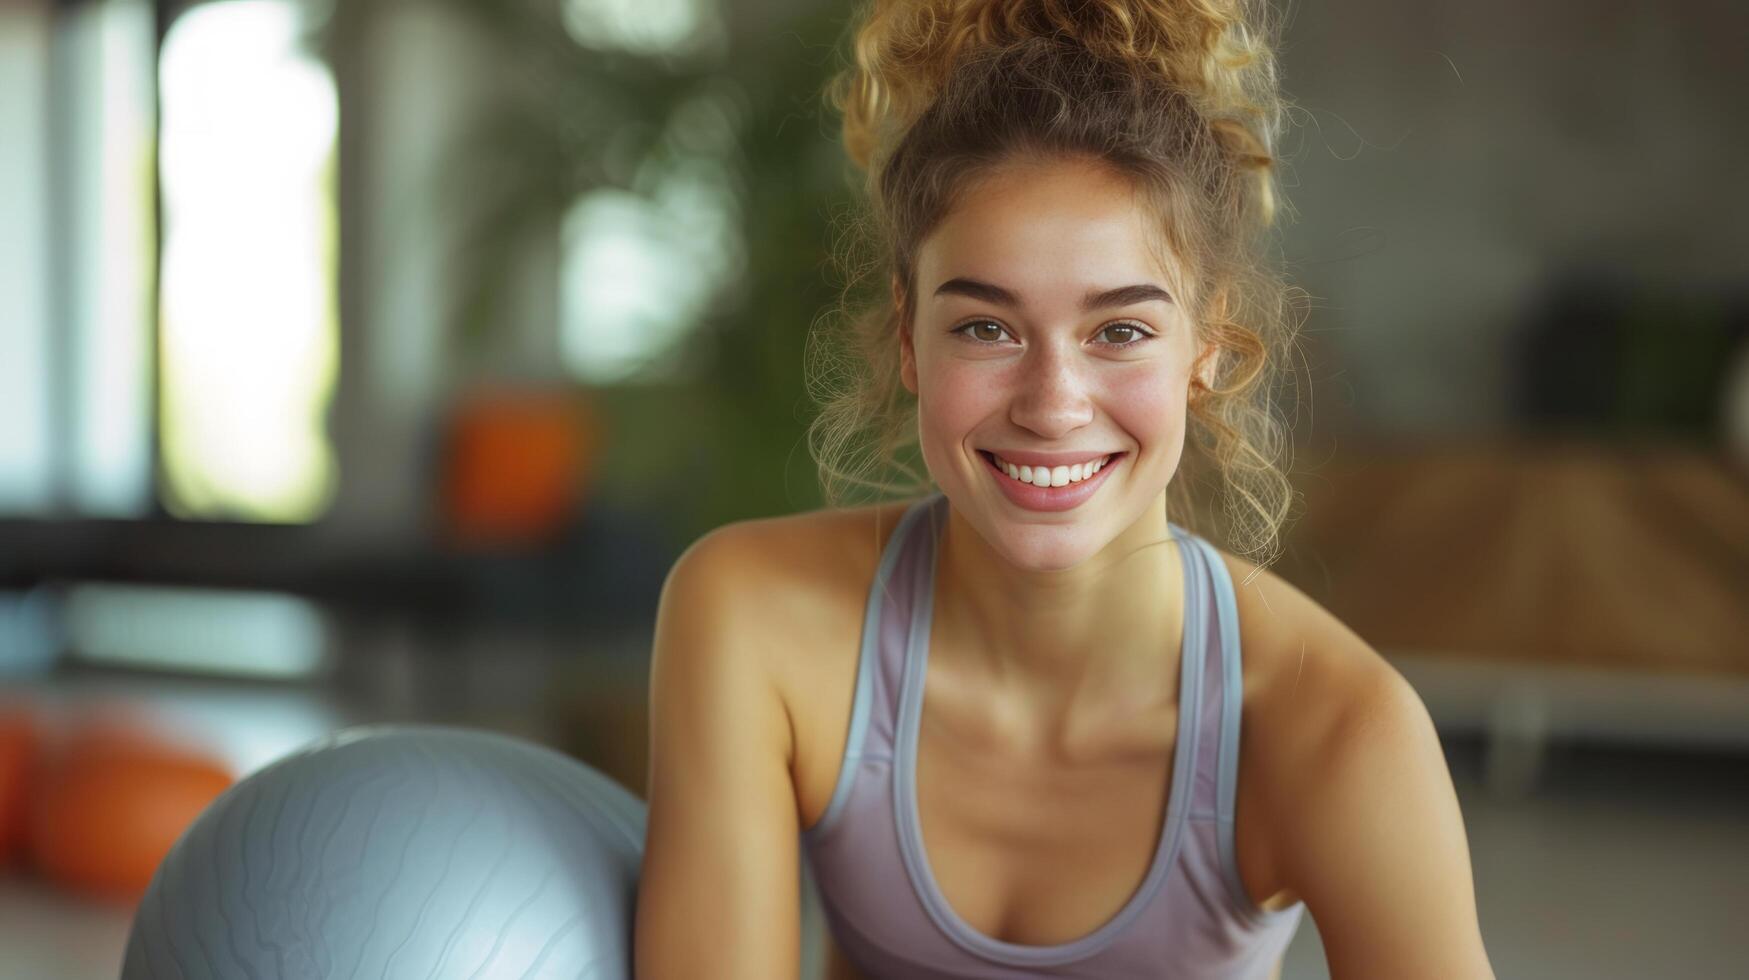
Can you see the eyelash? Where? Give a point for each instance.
(1142, 333)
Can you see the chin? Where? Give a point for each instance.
(1045, 548)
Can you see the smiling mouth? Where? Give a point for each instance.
(1055, 477)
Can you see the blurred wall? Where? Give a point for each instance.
(414, 80)
(1456, 157)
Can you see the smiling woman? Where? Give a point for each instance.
(1051, 382)
(1027, 720)
(1185, 128)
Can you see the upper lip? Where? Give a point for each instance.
(1019, 458)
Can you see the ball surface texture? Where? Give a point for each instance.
(401, 851)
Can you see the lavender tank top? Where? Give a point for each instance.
(1189, 918)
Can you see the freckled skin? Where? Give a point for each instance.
(1052, 379)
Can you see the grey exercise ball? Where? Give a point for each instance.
(401, 851)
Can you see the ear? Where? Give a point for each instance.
(907, 359)
(1208, 360)
(1207, 363)
(907, 349)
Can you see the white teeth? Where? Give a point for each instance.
(1051, 476)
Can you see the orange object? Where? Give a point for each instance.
(18, 748)
(516, 464)
(110, 804)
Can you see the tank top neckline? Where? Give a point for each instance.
(904, 771)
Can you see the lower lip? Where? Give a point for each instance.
(1033, 497)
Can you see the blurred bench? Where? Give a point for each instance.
(1533, 589)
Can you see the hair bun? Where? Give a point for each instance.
(1219, 52)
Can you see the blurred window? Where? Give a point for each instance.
(204, 397)
(650, 27)
(249, 333)
(25, 481)
(640, 272)
(643, 268)
(199, 631)
(75, 337)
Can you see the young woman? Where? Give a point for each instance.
(1024, 722)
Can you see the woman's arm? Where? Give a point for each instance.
(1375, 844)
(718, 895)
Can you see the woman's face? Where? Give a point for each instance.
(1014, 355)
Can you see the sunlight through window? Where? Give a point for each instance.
(650, 27)
(642, 270)
(249, 342)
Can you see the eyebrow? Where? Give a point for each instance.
(1096, 299)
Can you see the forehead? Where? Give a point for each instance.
(1047, 230)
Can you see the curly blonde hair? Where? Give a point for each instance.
(1178, 96)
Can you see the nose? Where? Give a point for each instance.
(1052, 397)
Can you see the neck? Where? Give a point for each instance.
(1106, 632)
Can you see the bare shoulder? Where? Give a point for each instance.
(796, 564)
(1306, 677)
(806, 578)
(1315, 680)
(734, 616)
(798, 582)
(1310, 680)
(1345, 745)
(809, 541)
(1304, 668)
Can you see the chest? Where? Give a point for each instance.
(1029, 841)
(1036, 843)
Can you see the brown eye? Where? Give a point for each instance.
(1124, 334)
(982, 331)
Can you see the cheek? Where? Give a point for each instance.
(958, 393)
(1149, 408)
(1150, 405)
(954, 399)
